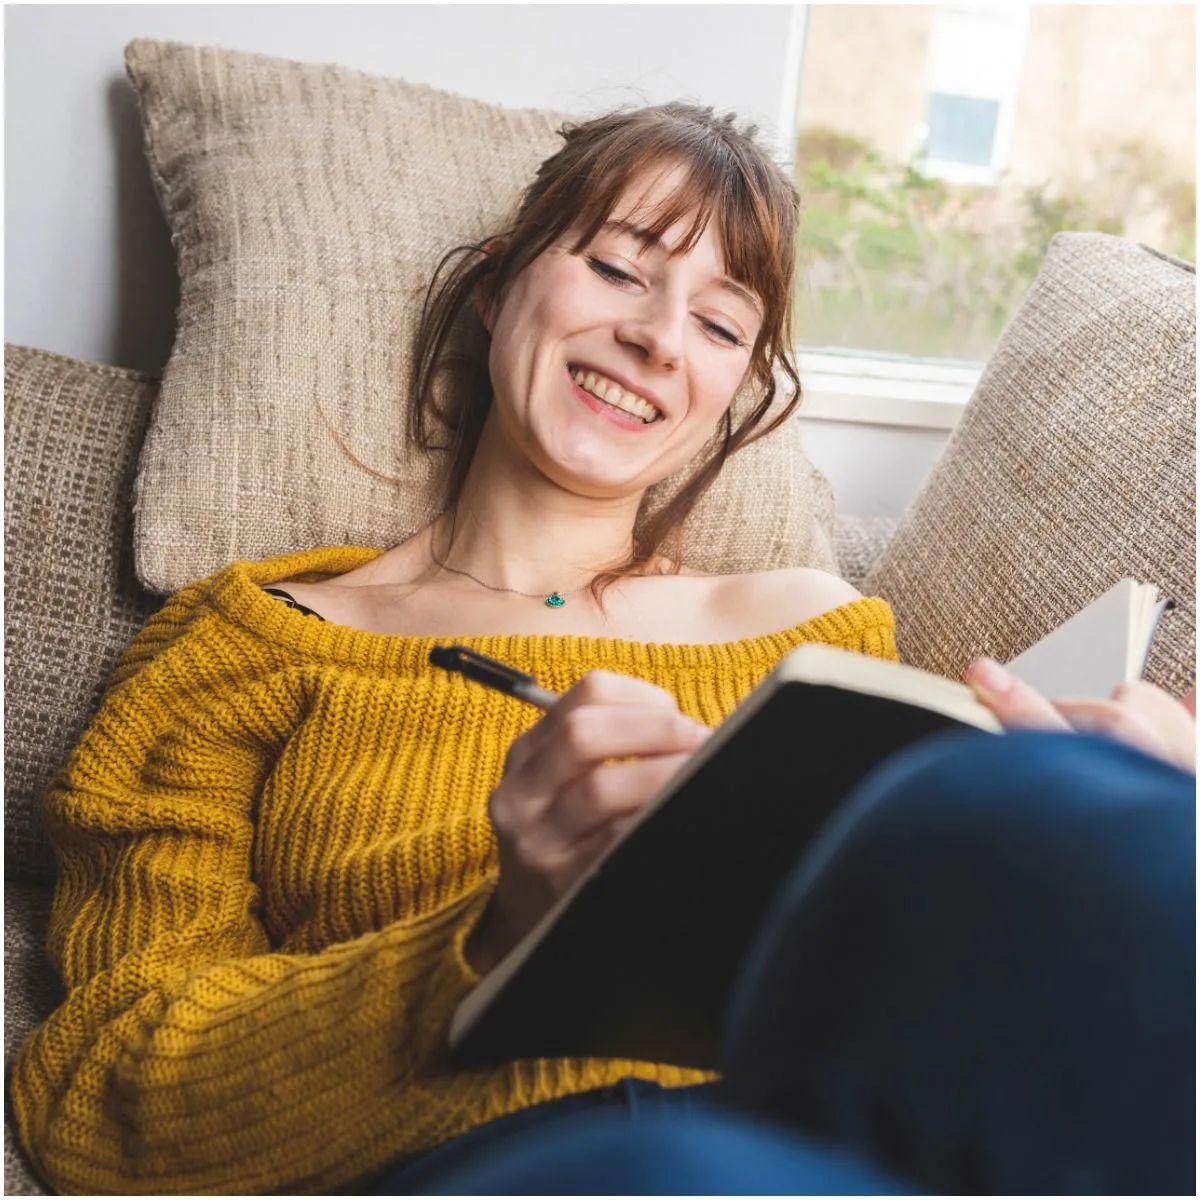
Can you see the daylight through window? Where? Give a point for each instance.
(940, 147)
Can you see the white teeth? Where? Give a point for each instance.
(614, 394)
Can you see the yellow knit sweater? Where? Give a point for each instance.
(272, 844)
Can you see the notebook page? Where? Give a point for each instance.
(1087, 656)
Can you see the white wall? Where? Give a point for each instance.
(875, 470)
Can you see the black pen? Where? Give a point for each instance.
(493, 674)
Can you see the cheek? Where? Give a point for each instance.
(534, 312)
(716, 385)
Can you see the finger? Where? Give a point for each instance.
(1015, 704)
(604, 796)
(596, 688)
(1160, 708)
(581, 854)
(572, 861)
(1189, 702)
(1173, 721)
(587, 737)
(1144, 729)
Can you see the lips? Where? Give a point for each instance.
(615, 392)
(616, 416)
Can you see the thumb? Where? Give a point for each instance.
(1015, 703)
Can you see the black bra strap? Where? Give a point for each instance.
(280, 594)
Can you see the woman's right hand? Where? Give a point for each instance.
(562, 800)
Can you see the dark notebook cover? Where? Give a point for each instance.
(641, 963)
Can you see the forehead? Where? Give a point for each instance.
(656, 193)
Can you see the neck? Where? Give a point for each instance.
(514, 528)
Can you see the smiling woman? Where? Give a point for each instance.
(683, 216)
(289, 846)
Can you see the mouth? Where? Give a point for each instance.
(613, 397)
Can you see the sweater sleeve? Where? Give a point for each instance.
(188, 1056)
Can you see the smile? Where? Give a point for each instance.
(615, 395)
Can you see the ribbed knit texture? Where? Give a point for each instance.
(272, 844)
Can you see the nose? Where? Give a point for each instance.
(656, 329)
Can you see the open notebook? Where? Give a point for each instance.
(638, 959)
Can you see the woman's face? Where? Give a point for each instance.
(586, 346)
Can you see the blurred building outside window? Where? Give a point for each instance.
(973, 69)
(939, 149)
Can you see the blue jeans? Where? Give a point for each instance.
(980, 978)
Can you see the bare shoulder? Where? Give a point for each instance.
(341, 597)
(774, 600)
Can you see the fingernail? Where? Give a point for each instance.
(991, 676)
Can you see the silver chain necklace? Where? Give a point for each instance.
(554, 600)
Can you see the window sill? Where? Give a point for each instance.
(884, 390)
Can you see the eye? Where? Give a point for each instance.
(611, 273)
(726, 335)
(620, 278)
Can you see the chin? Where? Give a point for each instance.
(585, 476)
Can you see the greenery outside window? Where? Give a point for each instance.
(939, 148)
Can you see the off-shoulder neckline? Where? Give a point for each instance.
(237, 592)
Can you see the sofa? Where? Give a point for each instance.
(1072, 466)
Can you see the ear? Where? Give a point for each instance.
(485, 296)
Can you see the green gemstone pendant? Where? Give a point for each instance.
(554, 600)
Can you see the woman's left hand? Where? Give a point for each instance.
(1138, 714)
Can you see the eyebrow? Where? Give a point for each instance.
(650, 239)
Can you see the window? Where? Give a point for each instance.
(939, 149)
(961, 129)
(973, 67)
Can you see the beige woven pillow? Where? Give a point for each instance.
(309, 206)
(71, 437)
(1073, 467)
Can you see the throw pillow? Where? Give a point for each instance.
(1073, 467)
(72, 604)
(309, 206)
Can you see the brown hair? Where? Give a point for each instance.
(729, 176)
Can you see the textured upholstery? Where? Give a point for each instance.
(1072, 468)
(71, 436)
(309, 206)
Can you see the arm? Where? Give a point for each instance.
(188, 1056)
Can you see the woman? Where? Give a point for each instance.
(288, 847)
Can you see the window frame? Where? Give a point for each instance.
(914, 393)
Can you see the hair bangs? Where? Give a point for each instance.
(756, 236)
(690, 201)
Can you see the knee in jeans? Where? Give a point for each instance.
(1019, 777)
